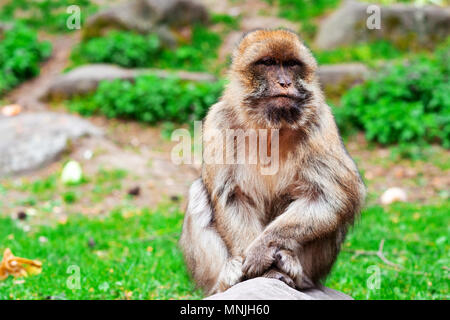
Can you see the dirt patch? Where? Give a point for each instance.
(424, 181)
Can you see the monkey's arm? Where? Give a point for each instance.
(236, 214)
(235, 221)
(327, 200)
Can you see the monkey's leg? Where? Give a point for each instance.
(303, 269)
(301, 223)
(317, 257)
(204, 250)
(289, 263)
(230, 274)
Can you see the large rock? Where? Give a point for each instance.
(272, 289)
(337, 78)
(407, 26)
(86, 78)
(146, 16)
(5, 27)
(31, 140)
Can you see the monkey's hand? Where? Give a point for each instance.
(260, 256)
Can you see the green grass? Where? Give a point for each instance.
(51, 189)
(136, 251)
(132, 252)
(416, 238)
(126, 252)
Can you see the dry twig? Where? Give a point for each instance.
(379, 253)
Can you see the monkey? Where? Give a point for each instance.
(241, 224)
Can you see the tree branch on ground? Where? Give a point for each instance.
(379, 253)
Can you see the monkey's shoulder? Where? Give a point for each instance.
(221, 115)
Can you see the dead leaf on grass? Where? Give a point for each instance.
(18, 267)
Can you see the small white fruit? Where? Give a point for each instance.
(394, 195)
(72, 173)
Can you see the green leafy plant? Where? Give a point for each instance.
(196, 55)
(123, 48)
(299, 10)
(364, 52)
(150, 99)
(406, 104)
(48, 14)
(304, 11)
(20, 55)
(230, 21)
(133, 50)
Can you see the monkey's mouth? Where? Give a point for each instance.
(284, 96)
(277, 108)
(298, 97)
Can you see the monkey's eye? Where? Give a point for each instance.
(292, 63)
(267, 62)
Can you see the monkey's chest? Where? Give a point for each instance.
(271, 194)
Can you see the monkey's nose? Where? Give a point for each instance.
(284, 82)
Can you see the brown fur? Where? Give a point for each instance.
(289, 225)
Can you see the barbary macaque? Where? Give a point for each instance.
(244, 221)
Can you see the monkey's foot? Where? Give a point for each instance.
(276, 274)
(289, 263)
(230, 275)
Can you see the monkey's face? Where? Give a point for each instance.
(278, 94)
(277, 73)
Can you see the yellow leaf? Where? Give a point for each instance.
(18, 267)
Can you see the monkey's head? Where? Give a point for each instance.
(273, 73)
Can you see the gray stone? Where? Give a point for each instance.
(86, 78)
(272, 289)
(4, 27)
(31, 140)
(408, 26)
(342, 75)
(146, 16)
